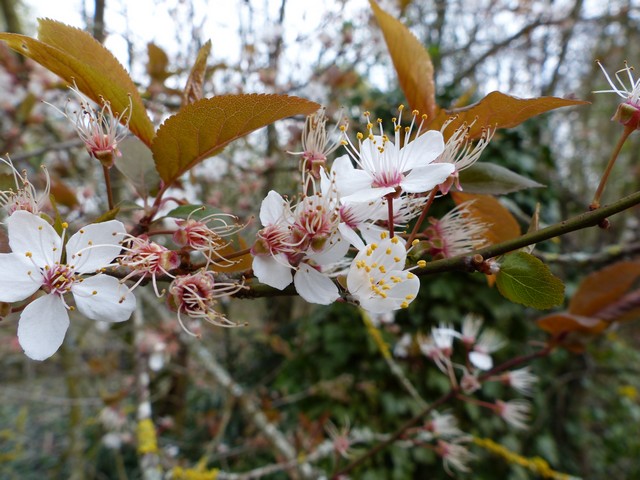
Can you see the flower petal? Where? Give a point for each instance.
(19, 277)
(272, 208)
(425, 178)
(481, 360)
(28, 233)
(42, 326)
(95, 246)
(103, 297)
(314, 287)
(423, 150)
(368, 194)
(349, 180)
(272, 272)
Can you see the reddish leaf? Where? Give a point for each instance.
(411, 61)
(487, 209)
(564, 322)
(205, 127)
(498, 110)
(193, 90)
(601, 288)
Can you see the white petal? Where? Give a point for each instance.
(272, 208)
(103, 297)
(481, 360)
(424, 179)
(335, 248)
(315, 287)
(272, 272)
(42, 326)
(368, 194)
(423, 150)
(349, 180)
(19, 277)
(95, 246)
(28, 233)
(350, 234)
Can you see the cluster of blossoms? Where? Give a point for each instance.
(367, 195)
(475, 369)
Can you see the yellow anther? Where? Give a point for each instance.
(404, 305)
(396, 259)
(344, 143)
(388, 251)
(415, 242)
(359, 136)
(40, 227)
(374, 246)
(394, 240)
(379, 120)
(410, 297)
(369, 126)
(28, 254)
(415, 112)
(410, 276)
(422, 263)
(95, 292)
(424, 116)
(400, 107)
(383, 235)
(81, 231)
(382, 269)
(65, 225)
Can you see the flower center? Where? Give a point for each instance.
(58, 279)
(387, 178)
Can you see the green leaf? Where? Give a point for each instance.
(492, 179)
(525, 279)
(411, 61)
(136, 164)
(203, 128)
(77, 57)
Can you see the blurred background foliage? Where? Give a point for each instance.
(74, 415)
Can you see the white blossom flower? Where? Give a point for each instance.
(457, 233)
(514, 412)
(521, 380)
(471, 326)
(488, 342)
(389, 168)
(377, 279)
(25, 196)
(300, 246)
(461, 153)
(35, 263)
(99, 128)
(628, 112)
(454, 456)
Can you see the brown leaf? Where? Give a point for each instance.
(564, 322)
(602, 288)
(498, 110)
(488, 210)
(411, 61)
(158, 63)
(193, 90)
(205, 127)
(77, 57)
